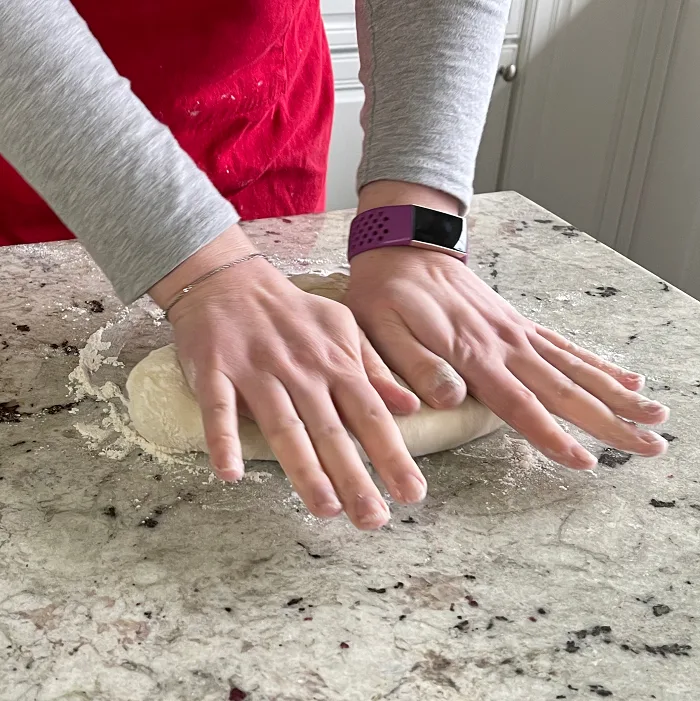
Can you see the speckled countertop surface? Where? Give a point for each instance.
(129, 580)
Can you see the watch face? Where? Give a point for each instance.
(440, 229)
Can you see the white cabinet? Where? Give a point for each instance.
(488, 162)
(515, 20)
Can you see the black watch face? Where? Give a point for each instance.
(439, 229)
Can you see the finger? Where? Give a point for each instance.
(398, 399)
(342, 463)
(376, 431)
(217, 400)
(431, 377)
(564, 398)
(622, 401)
(286, 435)
(631, 380)
(518, 406)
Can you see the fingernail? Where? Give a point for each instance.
(447, 384)
(654, 439)
(412, 490)
(663, 409)
(231, 471)
(228, 475)
(330, 507)
(655, 407)
(370, 512)
(638, 380)
(584, 457)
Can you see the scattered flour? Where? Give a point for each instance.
(114, 437)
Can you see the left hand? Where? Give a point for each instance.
(439, 326)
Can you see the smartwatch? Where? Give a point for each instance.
(408, 225)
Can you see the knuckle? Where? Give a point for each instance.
(565, 390)
(511, 333)
(370, 417)
(285, 426)
(341, 358)
(522, 396)
(467, 355)
(576, 364)
(216, 408)
(330, 431)
(520, 407)
(222, 441)
(393, 461)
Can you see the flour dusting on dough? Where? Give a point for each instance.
(114, 437)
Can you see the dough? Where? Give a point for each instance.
(164, 411)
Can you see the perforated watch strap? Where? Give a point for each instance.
(377, 228)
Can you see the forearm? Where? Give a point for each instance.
(382, 193)
(428, 68)
(75, 131)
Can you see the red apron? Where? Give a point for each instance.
(245, 86)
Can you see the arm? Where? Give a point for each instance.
(74, 130)
(428, 68)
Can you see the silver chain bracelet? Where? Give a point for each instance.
(183, 292)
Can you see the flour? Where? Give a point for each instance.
(519, 464)
(114, 437)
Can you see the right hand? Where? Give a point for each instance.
(303, 369)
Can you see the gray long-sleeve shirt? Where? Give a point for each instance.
(118, 179)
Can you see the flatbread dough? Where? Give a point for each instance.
(165, 412)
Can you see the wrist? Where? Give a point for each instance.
(230, 245)
(382, 193)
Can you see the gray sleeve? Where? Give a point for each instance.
(428, 68)
(76, 132)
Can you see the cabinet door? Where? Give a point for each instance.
(515, 19)
(488, 162)
(346, 138)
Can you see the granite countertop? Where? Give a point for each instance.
(125, 579)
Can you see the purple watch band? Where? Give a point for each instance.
(378, 228)
(408, 225)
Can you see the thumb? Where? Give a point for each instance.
(433, 378)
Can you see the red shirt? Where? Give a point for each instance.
(245, 86)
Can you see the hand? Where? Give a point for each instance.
(428, 315)
(302, 367)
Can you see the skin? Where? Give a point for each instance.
(302, 367)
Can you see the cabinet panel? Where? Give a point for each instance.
(515, 19)
(488, 161)
(571, 97)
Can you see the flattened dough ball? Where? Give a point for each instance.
(165, 412)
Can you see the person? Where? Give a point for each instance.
(151, 127)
